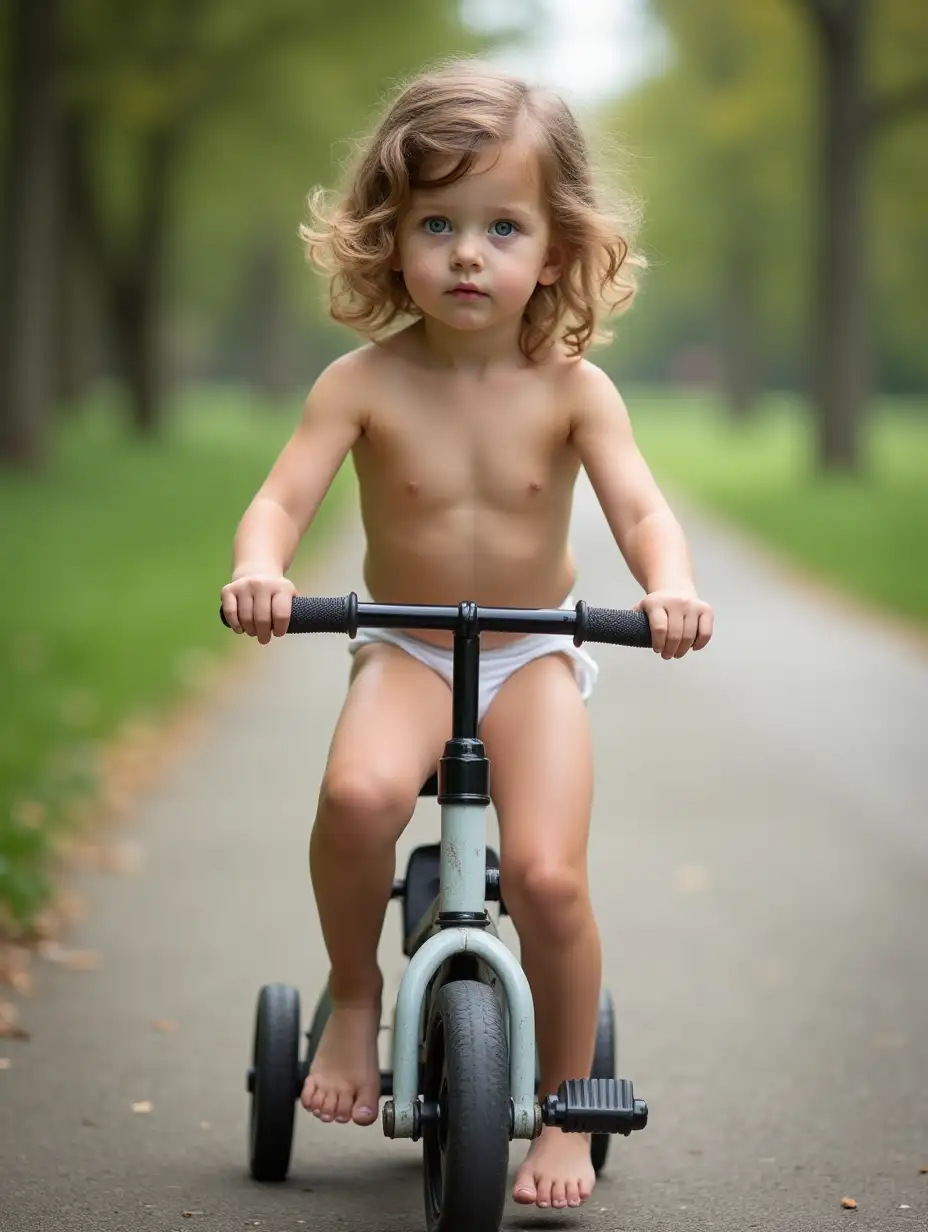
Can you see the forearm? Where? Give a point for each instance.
(266, 539)
(656, 552)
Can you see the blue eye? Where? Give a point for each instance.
(436, 226)
(503, 228)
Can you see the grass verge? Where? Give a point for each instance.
(867, 535)
(112, 561)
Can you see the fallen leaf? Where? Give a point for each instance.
(849, 1204)
(165, 1025)
(190, 1214)
(9, 1022)
(74, 960)
(924, 1170)
(14, 968)
(143, 1105)
(5, 1063)
(691, 878)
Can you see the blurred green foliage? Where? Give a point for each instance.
(118, 551)
(866, 536)
(722, 146)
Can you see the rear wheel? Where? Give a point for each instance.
(604, 1064)
(466, 1077)
(274, 1082)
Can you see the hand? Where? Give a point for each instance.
(679, 621)
(258, 604)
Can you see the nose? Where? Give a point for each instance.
(466, 253)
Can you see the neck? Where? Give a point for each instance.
(474, 350)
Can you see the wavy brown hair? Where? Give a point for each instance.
(457, 111)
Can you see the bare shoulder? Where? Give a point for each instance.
(590, 395)
(345, 387)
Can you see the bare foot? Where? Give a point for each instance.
(344, 1078)
(557, 1170)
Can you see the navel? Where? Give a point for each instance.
(534, 486)
(412, 487)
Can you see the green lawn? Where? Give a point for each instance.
(112, 562)
(868, 535)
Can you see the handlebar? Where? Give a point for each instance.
(344, 614)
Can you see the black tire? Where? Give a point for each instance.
(466, 1155)
(275, 1082)
(604, 1063)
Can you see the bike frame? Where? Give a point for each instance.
(457, 922)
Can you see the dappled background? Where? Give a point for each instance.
(160, 326)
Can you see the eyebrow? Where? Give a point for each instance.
(433, 201)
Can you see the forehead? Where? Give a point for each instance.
(508, 173)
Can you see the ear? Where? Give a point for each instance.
(553, 268)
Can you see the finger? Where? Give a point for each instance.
(690, 627)
(230, 609)
(657, 618)
(246, 612)
(674, 633)
(262, 617)
(705, 629)
(281, 604)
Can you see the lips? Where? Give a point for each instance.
(467, 290)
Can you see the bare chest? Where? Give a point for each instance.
(497, 451)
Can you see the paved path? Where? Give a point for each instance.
(760, 869)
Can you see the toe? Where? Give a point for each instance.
(364, 1111)
(523, 1189)
(308, 1093)
(558, 1194)
(343, 1107)
(543, 1191)
(329, 1104)
(573, 1193)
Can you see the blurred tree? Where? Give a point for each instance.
(143, 80)
(115, 118)
(852, 114)
(727, 165)
(30, 216)
(721, 168)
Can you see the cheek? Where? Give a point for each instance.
(419, 265)
(517, 273)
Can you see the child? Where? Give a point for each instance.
(471, 226)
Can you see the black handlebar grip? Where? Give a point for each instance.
(308, 615)
(338, 615)
(607, 624)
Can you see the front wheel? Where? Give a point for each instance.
(466, 1076)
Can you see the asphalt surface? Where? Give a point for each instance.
(760, 872)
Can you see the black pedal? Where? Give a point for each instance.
(595, 1106)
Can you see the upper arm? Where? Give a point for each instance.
(602, 435)
(331, 422)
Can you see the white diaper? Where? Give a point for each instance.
(496, 666)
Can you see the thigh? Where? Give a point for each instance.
(537, 736)
(393, 724)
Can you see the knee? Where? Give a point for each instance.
(548, 898)
(362, 806)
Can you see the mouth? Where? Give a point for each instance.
(467, 290)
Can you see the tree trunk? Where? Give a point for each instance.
(136, 292)
(77, 321)
(270, 352)
(841, 363)
(28, 313)
(740, 332)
